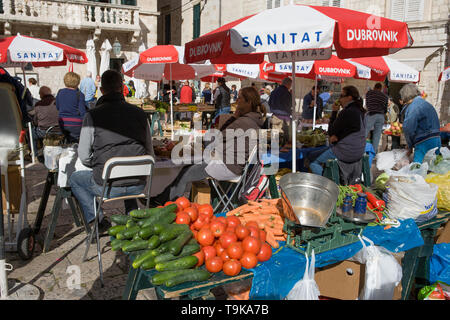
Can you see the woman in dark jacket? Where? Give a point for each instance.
(222, 97)
(346, 131)
(71, 107)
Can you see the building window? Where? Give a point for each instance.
(333, 3)
(196, 21)
(167, 31)
(123, 2)
(273, 4)
(407, 10)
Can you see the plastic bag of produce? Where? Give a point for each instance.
(434, 292)
(438, 163)
(306, 288)
(380, 182)
(410, 196)
(388, 160)
(51, 156)
(420, 169)
(443, 193)
(383, 272)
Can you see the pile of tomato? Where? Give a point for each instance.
(226, 244)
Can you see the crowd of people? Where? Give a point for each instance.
(94, 115)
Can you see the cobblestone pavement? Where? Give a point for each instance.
(53, 272)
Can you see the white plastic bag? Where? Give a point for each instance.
(306, 288)
(51, 156)
(420, 169)
(389, 159)
(443, 166)
(383, 272)
(410, 196)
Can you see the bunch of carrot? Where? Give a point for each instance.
(265, 212)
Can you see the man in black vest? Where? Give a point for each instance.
(114, 128)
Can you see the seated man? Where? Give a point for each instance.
(114, 128)
(45, 115)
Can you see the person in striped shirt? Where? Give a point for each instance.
(376, 104)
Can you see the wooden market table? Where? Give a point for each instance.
(139, 279)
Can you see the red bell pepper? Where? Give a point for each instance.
(375, 210)
(379, 204)
(356, 187)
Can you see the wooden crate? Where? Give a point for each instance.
(15, 189)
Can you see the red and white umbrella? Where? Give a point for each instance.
(382, 67)
(445, 75)
(165, 62)
(18, 50)
(300, 32)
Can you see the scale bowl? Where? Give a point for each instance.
(308, 199)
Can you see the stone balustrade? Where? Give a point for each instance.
(71, 14)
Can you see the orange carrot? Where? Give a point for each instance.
(270, 239)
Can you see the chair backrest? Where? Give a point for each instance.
(10, 119)
(124, 167)
(253, 155)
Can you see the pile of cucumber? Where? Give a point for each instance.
(161, 244)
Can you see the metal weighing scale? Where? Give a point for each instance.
(311, 218)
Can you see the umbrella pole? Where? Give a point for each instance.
(3, 278)
(30, 129)
(171, 100)
(315, 105)
(294, 129)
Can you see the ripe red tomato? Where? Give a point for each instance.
(194, 205)
(183, 218)
(233, 221)
(262, 236)
(206, 209)
(218, 248)
(214, 264)
(205, 237)
(251, 244)
(209, 252)
(232, 268)
(201, 258)
(252, 224)
(224, 256)
(254, 232)
(200, 222)
(232, 230)
(183, 202)
(248, 260)
(227, 238)
(217, 228)
(235, 250)
(242, 232)
(192, 212)
(223, 220)
(265, 252)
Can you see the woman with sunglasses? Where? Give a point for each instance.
(346, 131)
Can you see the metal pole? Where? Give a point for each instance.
(3, 278)
(33, 154)
(315, 105)
(171, 100)
(294, 129)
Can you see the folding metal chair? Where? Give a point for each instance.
(234, 185)
(117, 168)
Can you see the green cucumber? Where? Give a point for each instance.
(131, 223)
(172, 231)
(146, 232)
(166, 212)
(136, 237)
(160, 278)
(153, 242)
(158, 227)
(178, 244)
(135, 245)
(128, 233)
(192, 241)
(141, 258)
(117, 244)
(178, 264)
(149, 263)
(120, 219)
(192, 275)
(163, 248)
(113, 231)
(188, 250)
(142, 213)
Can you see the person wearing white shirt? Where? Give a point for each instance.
(34, 88)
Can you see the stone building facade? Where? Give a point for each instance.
(73, 22)
(428, 21)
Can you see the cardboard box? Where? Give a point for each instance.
(201, 193)
(15, 189)
(345, 280)
(443, 234)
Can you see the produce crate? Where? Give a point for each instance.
(15, 189)
(134, 101)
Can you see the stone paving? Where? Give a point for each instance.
(53, 273)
